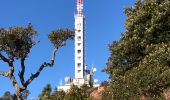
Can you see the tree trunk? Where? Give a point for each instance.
(18, 92)
(19, 96)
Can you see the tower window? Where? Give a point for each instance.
(79, 64)
(78, 51)
(79, 58)
(79, 38)
(78, 71)
(79, 44)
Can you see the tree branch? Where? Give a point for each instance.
(53, 56)
(21, 73)
(4, 58)
(35, 75)
(11, 74)
(12, 77)
(6, 74)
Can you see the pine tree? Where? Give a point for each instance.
(139, 64)
(46, 93)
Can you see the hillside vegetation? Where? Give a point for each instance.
(139, 64)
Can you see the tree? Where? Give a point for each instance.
(15, 45)
(139, 62)
(58, 95)
(6, 96)
(76, 93)
(46, 93)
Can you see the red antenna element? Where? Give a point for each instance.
(79, 7)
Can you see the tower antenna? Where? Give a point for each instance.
(79, 7)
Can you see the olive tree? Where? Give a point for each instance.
(15, 45)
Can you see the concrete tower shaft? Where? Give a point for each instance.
(82, 74)
(79, 45)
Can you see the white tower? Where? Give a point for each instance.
(79, 45)
(82, 75)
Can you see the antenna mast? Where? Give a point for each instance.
(79, 7)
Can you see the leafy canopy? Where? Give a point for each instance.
(139, 62)
(58, 37)
(17, 41)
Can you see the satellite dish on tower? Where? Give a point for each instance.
(93, 69)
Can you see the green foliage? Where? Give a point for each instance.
(76, 93)
(17, 41)
(6, 96)
(105, 83)
(15, 44)
(58, 95)
(46, 93)
(140, 60)
(59, 37)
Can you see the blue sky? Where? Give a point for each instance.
(104, 23)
